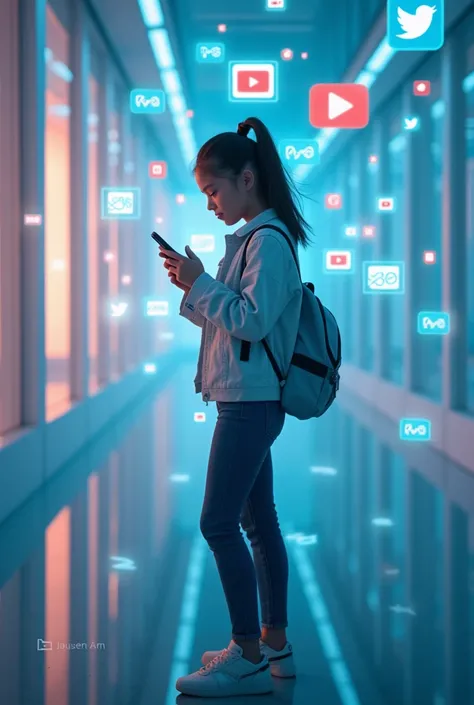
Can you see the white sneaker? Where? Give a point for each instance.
(228, 673)
(282, 664)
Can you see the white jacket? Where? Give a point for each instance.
(266, 303)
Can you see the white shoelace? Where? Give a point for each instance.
(218, 660)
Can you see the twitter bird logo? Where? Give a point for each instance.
(411, 123)
(414, 27)
(118, 309)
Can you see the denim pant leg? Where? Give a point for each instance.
(244, 434)
(260, 522)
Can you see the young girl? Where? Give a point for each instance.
(243, 179)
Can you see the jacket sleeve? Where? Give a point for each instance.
(264, 292)
(193, 316)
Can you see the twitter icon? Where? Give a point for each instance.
(415, 27)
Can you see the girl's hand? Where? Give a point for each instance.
(174, 281)
(184, 269)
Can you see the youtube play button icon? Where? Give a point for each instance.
(339, 105)
(250, 82)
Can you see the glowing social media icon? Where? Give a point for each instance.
(433, 323)
(149, 368)
(414, 26)
(120, 203)
(386, 204)
(333, 201)
(421, 88)
(32, 219)
(145, 101)
(210, 53)
(411, 124)
(429, 257)
(157, 170)
(383, 277)
(155, 307)
(350, 231)
(415, 429)
(256, 81)
(338, 260)
(117, 309)
(299, 151)
(202, 243)
(275, 5)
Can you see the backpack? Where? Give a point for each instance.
(310, 387)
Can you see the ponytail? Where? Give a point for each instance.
(231, 151)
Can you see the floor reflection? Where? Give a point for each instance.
(109, 592)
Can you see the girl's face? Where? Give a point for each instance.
(230, 199)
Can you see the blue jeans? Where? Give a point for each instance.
(239, 490)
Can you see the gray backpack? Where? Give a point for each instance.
(310, 387)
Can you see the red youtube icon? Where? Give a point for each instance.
(253, 81)
(340, 105)
(338, 260)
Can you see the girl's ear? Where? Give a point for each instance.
(249, 178)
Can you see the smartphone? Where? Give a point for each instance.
(157, 238)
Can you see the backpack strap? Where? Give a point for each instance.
(245, 345)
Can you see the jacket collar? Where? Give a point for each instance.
(261, 219)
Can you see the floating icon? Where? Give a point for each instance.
(299, 151)
(350, 231)
(122, 563)
(155, 307)
(118, 308)
(338, 260)
(383, 277)
(179, 477)
(333, 201)
(421, 88)
(147, 101)
(210, 53)
(149, 368)
(120, 203)
(385, 204)
(286, 54)
(412, 26)
(180, 198)
(415, 429)
(275, 4)
(429, 257)
(256, 81)
(411, 124)
(199, 416)
(341, 105)
(322, 470)
(32, 219)
(368, 231)
(158, 170)
(203, 243)
(433, 323)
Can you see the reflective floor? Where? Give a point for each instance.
(109, 592)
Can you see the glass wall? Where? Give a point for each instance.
(427, 287)
(392, 226)
(57, 215)
(468, 87)
(10, 227)
(93, 221)
(366, 247)
(114, 150)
